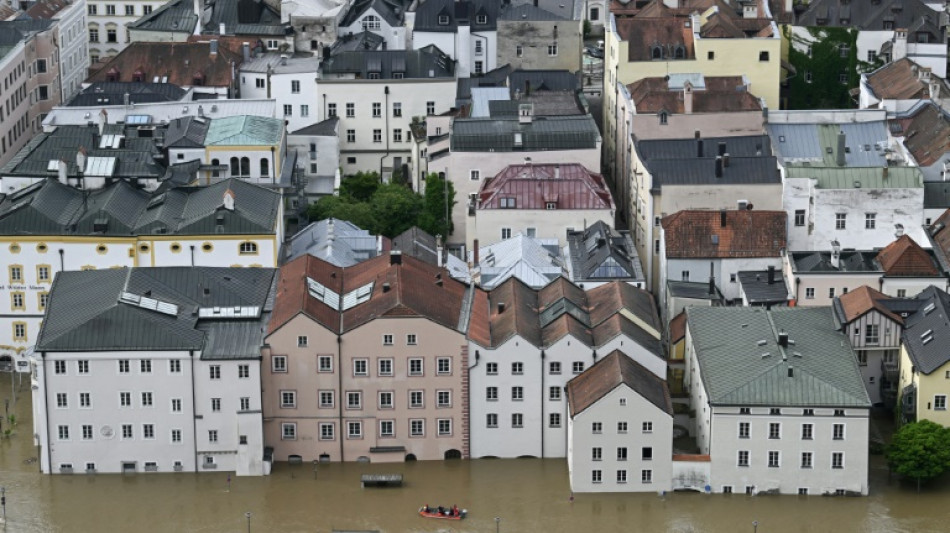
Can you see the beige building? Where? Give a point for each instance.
(366, 363)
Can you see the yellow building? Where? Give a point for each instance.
(925, 362)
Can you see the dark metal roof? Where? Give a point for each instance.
(364, 40)
(392, 11)
(175, 16)
(186, 132)
(758, 290)
(927, 332)
(914, 15)
(427, 62)
(105, 93)
(89, 312)
(706, 147)
(603, 253)
(244, 17)
(850, 261)
(694, 290)
(325, 128)
(456, 13)
(574, 132)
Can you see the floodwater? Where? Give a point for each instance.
(527, 495)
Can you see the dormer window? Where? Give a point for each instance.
(481, 19)
(679, 53)
(664, 117)
(550, 206)
(888, 24)
(370, 22)
(656, 52)
(443, 20)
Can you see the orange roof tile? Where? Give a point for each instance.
(736, 233)
(904, 257)
(859, 301)
(616, 369)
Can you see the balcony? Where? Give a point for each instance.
(890, 370)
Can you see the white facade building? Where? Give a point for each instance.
(107, 34)
(291, 82)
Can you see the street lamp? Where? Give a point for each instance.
(755, 526)
(497, 523)
(248, 516)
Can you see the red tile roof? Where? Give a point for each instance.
(642, 33)
(898, 81)
(927, 135)
(44, 9)
(722, 94)
(863, 299)
(569, 186)
(180, 62)
(616, 369)
(678, 327)
(743, 233)
(904, 257)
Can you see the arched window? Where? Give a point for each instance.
(245, 166)
(371, 22)
(679, 53)
(248, 247)
(664, 117)
(656, 52)
(265, 168)
(215, 173)
(235, 171)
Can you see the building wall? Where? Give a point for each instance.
(73, 48)
(648, 126)
(823, 283)
(621, 405)
(536, 39)
(932, 55)
(395, 36)
(304, 105)
(723, 272)
(461, 46)
(487, 224)
(928, 387)
(107, 45)
(323, 163)
(889, 334)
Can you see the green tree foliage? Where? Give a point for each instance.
(396, 209)
(920, 450)
(818, 82)
(359, 213)
(360, 186)
(432, 219)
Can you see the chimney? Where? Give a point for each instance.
(688, 98)
(696, 134)
(899, 47)
(125, 99)
(246, 51)
(771, 275)
(842, 144)
(722, 147)
(379, 245)
(725, 160)
(228, 200)
(898, 230)
(501, 307)
(722, 218)
(923, 74)
(934, 90)
(527, 87)
(884, 173)
(283, 59)
(438, 250)
(221, 29)
(718, 166)
(395, 257)
(475, 253)
(557, 172)
(81, 159)
(386, 287)
(835, 254)
(783, 339)
(712, 285)
(699, 147)
(62, 172)
(103, 120)
(214, 47)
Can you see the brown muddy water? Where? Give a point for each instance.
(528, 495)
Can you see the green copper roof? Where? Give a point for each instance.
(742, 364)
(860, 177)
(245, 130)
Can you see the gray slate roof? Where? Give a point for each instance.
(931, 321)
(338, 242)
(850, 261)
(113, 93)
(601, 253)
(427, 62)
(176, 16)
(392, 11)
(244, 17)
(324, 128)
(457, 13)
(936, 195)
(51, 208)
(706, 147)
(364, 40)
(740, 171)
(575, 132)
(694, 290)
(187, 132)
(911, 14)
(736, 370)
(87, 312)
(755, 284)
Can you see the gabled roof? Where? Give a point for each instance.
(600, 252)
(244, 17)
(678, 327)
(324, 128)
(342, 299)
(364, 40)
(926, 333)
(939, 237)
(426, 62)
(419, 244)
(157, 309)
(669, 35)
(186, 132)
(859, 177)
(392, 11)
(45, 9)
(180, 63)
(528, 259)
(854, 304)
(817, 368)
(693, 161)
(898, 80)
(904, 257)
(244, 130)
(759, 290)
(868, 16)
(821, 262)
(613, 370)
(719, 94)
(726, 234)
(927, 135)
(177, 16)
(113, 93)
(567, 186)
(456, 13)
(338, 242)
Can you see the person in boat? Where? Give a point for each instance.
(441, 510)
(455, 510)
(425, 508)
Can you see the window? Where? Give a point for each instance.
(839, 412)
(808, 431)
(110, 9)
(174, 366)
(491, 420)
(799, 217)
(87, 432)
(554, 420)
(554, 368)
(552, 49)
(475, 174)
(843, 49)
(93, 34)
(505, 233)
(176, 405)
(385, 367)
(646, 476)
(129, 11)
(176, 435)
(325, 363)
(647, 427)
(387, 340)
(295, 86)
(743, 430)
(430, 108)
(244, 371)
(517, 420)
(837, 432)
(62, 400)
(491, 369)
(43, 273)
(577, 367)
(18, 301)
(831, 292)
(82, 366)
(148, 431)
(350, 110)
(288, 431)
(621, 476)
(44, 300)
(775, 430)
(127, 431)
(354, 430)
(397, 136)
(443, 398)
(305, 110)
(63, 432)
(326, 399)
(809, 293)
(85, 399)
(597, 427)
(870, 220)
(288, 110)
(386, 400)
(940, 402)
(554, 393)
(445, 426)
(871, 334)
(443, 20)
(288, 399)
(386, 428)
(837, 460)
(763, 56)
(517, 394)
(479, 65)
(146, 10)
(807, 460)
(59, 367)
(621, 427)
(354, 400)
(417, 427)
(19, 331)
(743, 458)
(519, 51)
(443, 366)
(278, 363)
(416, 399)
(214, 372)
(259, 83)
(327, 431)
(145, 366)
(215, 404)
(111, 35)
(360, 367)
(146, 399)
(377, 109)
(517, 368)
(596, 476)
(411, 339)
(370, 22)
(397, 109)
(92, 9)
(774, 459)
(415, 366)
(841, 220)
(351, 136)
(245, 403)
(622, 453)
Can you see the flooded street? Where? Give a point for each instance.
(528, 495)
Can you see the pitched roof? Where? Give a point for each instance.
(426, 62)
(694, 161)
(244, 130)
(904, 257)
(926, 334)
(759, 290)
(817, 368)
(509, 134)
(456, 13)
(175, 16)
(854, 304)
(613, 370)
(939, 237)
(44, 9)
(600, 252)
(419, 244)
(898, 80)
(325, 128)
(678, 327)
(534, 261)
(342, 299)
(669, 35)
(927, 135)
(727, 234)
(113, 93)
(816, 144)
(872, 16)
(820, 261)
(568, 186)
(392, 11)
(718, 94)
(180, 63)
(338, 242)
(156, 309)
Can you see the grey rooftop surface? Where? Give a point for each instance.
(926, 334)
(575, 132)
(426, 62)
(601, 253)
(850, 261)
(337, 242)
(113, 93)
(755, 284)
(693, 290)
(816, 369)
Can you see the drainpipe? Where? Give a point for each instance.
(542, 403)
(273, 169)
(386, 131)
(339, 367)
(192, 255)
(62, 260)
(194, 415)
(49, 430)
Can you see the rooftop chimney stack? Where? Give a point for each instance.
(771, 275)
(725, 160)
(475, 253)
(438, 250)
(688, 98)
(395, 257)
(722, 147)
(842, 146)
(783, 339)
(699, 147)
(835, 254)
(214, 47)
(246, 51)
(899, 47)
(722, 218)
(718, 166)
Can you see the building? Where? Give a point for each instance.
(780, 403)
(924, 131)
(535, 262)
(25, 46)
(291, 81)
(715, 246)
(127, 93)
(618, 407)
(314, 23)
(600, 254)
(107, 27)
(480, 147)
(73, 44)
(152, 370)
(431, 249)
(763, 288)
(465, 31)
(376, 94)
(543, 35)
(541, 200)
(317, 149)
(338, 242)
(367, 363)
(50, 228)
(923, 367)
(386, 18)
(899, 85)
(528, 343)
(672, 175)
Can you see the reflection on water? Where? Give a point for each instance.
(528, 495)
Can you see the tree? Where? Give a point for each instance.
(360, 186)
(439, 199)
(395, 208)
(920, 450)
(359, 213)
